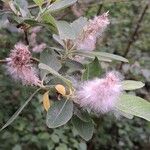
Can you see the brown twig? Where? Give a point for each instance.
(26, 37)
(3, 61)
(133, 35)
(35, 60)
(77, 10)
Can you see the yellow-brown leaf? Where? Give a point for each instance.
(46, 101)
(60, 89)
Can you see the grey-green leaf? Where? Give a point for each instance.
(57, 39)
(78, 25)
(23, 7)
(65, 30)
(49, 20)
(56, 6)
(59, 113)
(55, 73)
(111, 56)
(85, 129)
(134, 105)
(101, 55)
(92, 70)
(50, 59)
(83, 115)
(132, 85)
(73, 65)
(91, 55)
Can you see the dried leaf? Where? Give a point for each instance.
(46, 101)
(60, 89)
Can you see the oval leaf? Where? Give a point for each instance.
(132, 85)
(83, 115)
(111, 56)
(46, 101)
(134, 105)
(91, 56)
(92, 70)
(78, 25)
(65, 30)
(55, 73)
(59, 113)
(85, 129)
(101, 56)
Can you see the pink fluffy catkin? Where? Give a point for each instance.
(94, 29)
(100, 95)
(19, 65)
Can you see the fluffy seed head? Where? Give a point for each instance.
(92, 31)
(19, 65)
(100, 95)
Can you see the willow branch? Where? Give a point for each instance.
(35, 60)
(135, 32)
(3, 61)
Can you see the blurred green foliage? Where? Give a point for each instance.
(29, 131)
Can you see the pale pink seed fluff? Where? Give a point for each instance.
(100, 95)
(94, 29)
(39, 48)
(19, 65)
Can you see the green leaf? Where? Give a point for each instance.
(55, 73)
(57, 39)
(50, 58)
(134, 105)
(39, 2)
(92, 70)
(111, 56)
(73, 65)
(31, 22)
(83, 115)
(119, 112)
(78, 25)
(91, 55)
(56, 6)
(16, 114)
(132, 85)
(49, 20)
(65, 30)
(23, 7)
(13, 7)
(59, 113)
(85, 129)
(101, 55)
